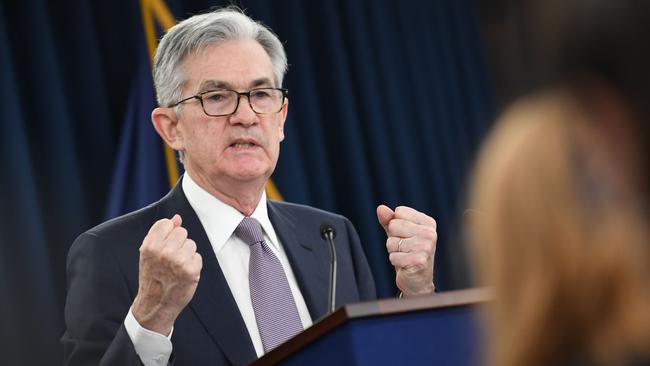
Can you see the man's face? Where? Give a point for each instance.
(242, 147)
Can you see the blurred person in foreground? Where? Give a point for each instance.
(214, 273)
(562, 239)
(563, 190)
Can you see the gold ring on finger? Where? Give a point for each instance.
(399, 245)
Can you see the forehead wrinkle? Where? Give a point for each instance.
(201, 66)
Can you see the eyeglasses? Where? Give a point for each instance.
(224, 102)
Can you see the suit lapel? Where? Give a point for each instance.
(301, 246)
(213, 302)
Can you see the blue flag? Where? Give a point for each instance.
(140, 175)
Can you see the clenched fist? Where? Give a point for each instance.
(411, 245)
(170, 269)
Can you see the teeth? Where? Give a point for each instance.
(242, 145)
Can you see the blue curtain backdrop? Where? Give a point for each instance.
(388, 102)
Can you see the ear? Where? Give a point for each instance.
(283, 117)
(165, 121)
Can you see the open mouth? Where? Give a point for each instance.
(244, 144)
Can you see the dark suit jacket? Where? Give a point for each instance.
(102, 274)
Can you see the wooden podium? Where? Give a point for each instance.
(439, 330)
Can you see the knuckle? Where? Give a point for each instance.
(419, 262)
(427, 250)
(194, 270)
(160, 227)
(192, 265)
(181, 231)
(162, 224)
(155, 226)
(191, 244)
(429, 233)
(145, 248)
(424, 260)
(401, 212)
(191, 270)
(148, 243)
(170, 256)
(167, 254)
(177, 269)
(183, 266)
(405, 211)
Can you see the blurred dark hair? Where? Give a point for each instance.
(568, 41)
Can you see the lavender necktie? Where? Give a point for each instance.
(275, 310)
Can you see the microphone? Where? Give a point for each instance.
(328, 234)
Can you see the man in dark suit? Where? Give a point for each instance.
(255, 272)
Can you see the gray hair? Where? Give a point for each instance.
(197, 33)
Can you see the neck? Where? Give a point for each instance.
(244, 196)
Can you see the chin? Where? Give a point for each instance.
(248, 170)
(248, 175)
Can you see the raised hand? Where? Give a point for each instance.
(170, 269)
(411, 245)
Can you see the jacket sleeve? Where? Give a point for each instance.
(97, 303)
(365, 281)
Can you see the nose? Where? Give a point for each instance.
(244, 114)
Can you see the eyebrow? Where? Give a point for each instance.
(261, 82)
(212, 84)
(217, 84)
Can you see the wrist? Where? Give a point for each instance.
(154, 318)
(424, 291)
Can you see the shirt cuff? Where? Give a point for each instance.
(154, 349)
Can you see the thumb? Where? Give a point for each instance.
(384, 215)
(177, 220)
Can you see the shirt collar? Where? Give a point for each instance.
(220, 220)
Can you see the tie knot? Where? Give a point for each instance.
(250, 231)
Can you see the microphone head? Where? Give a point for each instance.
(327, 228)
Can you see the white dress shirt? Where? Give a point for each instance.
(219, 222)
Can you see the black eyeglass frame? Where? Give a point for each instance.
(247, 94)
